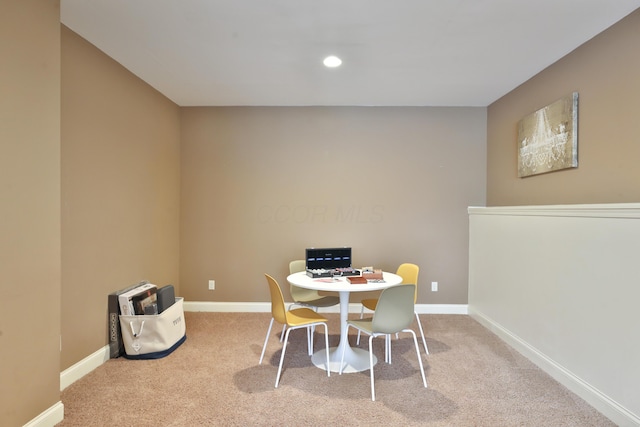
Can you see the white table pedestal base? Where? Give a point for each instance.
(355, 359)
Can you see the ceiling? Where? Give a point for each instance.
(394, 53)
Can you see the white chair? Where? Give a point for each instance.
(292, 319)
(393, 314)
(409, 273)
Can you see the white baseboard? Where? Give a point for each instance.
(83, 367)
(265, 307)
(48, 418)
(601, 402)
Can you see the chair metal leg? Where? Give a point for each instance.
(373, 390)
(415, 341)
(284, 348)
(424, 341)
(265, 341)
(326, 346)
(361, 316)
(386, 349)
(286, 341)
(282, 333)
(387, 345)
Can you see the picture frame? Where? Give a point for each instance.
(548, 138)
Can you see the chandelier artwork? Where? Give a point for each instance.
(548, 138)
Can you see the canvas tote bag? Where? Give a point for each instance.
(154, 336)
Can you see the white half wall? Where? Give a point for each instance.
(562, 285)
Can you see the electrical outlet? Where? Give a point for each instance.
(212, 285)
(434, 286)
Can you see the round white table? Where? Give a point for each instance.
(356, 359)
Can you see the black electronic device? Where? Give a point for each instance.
(328, 258)
(328, 262)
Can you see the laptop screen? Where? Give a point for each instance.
(328, 258)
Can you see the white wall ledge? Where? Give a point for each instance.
(604, 210)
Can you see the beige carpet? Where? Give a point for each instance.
(214, 379)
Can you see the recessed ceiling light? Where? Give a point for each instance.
(332, 61)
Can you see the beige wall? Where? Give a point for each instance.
(29, 208)
(604, 72)
(120, 190)
(259, 185)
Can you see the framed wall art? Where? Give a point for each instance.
(548, 138)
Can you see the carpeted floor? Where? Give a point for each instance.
(214, 379)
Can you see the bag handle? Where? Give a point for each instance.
(136, 335)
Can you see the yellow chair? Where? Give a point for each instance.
(292, 319)
(393, 314)
(409, 273)
(307, 297)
